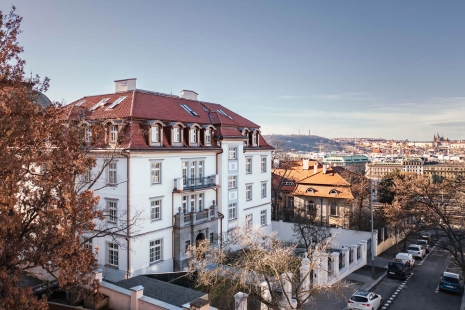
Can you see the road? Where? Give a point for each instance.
(420, 290)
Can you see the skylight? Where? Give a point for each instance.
(224, 113)
(99, 104)
(117, 101)
(80, 102)
(189, 110)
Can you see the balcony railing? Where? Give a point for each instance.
(194, 218)
(195, 183)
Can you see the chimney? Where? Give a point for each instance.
(315, 168)
(324, 169)
(122, 86)
(189, 94)
(305, 163)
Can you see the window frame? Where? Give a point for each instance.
(248, 165)
(263, 189)
(232, 152)
(112, 209)
(178, 134)
(113, 134)
(88, 134)
(232, 210)
(248, 192)
(112, 173)
(331, 205)
(263, 164)
(208, 136)
(156, 135)
(153, 172)
(249, 220)
(112, 254)
(263, 218)
(153, 250)
(153, 209)
(232, 182)
(193, 139)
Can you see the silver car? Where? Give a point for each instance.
(364, 300)
(417, 250)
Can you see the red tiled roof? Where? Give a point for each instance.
(144, 105)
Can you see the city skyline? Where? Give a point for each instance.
(340, 69)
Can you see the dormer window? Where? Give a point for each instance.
(177, 135)
(88, 134)
(254, 139)
(155, 134)
(310, 190)
(113, 133)
(208, 137)
(333, 192)
(193, 135)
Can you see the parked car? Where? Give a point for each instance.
(426, 236)
(451, 282)
(406, 256)
(417, 250)
(399, 268)
(364, 300)
(425, 244)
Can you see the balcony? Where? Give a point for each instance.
(194, 218)
(192, 184)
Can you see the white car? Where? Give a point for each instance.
(364, 300)
(406, 256)
(417, 250)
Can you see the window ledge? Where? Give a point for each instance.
(234, 219)
(155, 184)
(111, 266)
(156, 220)
(112, 184)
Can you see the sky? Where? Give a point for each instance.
(348, 68)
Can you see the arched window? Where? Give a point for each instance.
(310, 190)
(333, 192)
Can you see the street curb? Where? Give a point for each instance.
(375, 283)
(379, 280)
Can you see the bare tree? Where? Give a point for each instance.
(308, 229)
(253, 261)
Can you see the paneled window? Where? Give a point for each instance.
(112, 254)
(248, 220)
(208, 137)
(155, 172)
(193, 135)
(232, 181)
(248, 165)
(232, 153)
(200, 202)
(112, 211)
(184, 173)
(155, 250)
(188, 244)
(192, 201)
(87, 176)
(184, 204)
(113, 133)
(88, 134)
(263, 164)
(263, 191)
(192, 171)
(155, 134)
(176, 134)
(263, 217)
(155, 209)
(87, 243)
(290, 202)
(254, 139)
(112, 174)
(248, 192)
(232, 211)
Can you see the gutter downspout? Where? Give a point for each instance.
(126, 154)
(172, 230)
(217, 202)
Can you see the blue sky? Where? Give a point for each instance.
(391, 69)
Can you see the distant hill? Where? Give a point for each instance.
(305, 143)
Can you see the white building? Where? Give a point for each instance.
(194, 170)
